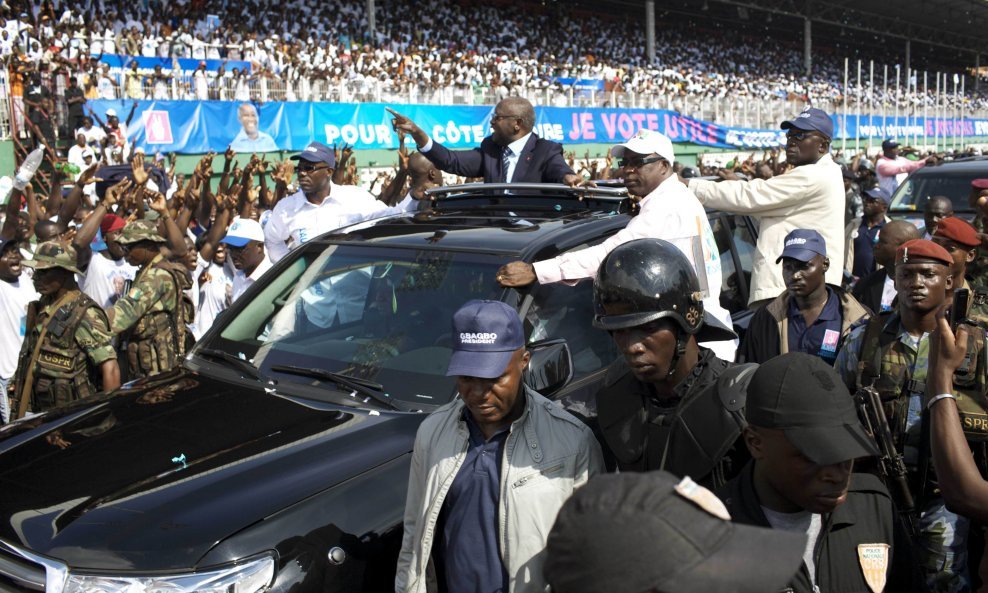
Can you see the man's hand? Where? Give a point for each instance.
(139, 171)
(115, 192)
(574, 180)
(947, 352)
(229, 155)
(516, 274)
(403, 125)
(284, 172)
(727, 175)
(157, 202)
(87, 176)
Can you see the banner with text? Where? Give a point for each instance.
(876, 126)
(201, 126)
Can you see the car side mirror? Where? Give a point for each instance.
(550, 367)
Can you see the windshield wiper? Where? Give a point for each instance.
(372, 390)
(235, 361)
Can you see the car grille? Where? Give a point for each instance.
(24, 572)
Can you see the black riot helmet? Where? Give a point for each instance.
(648, 279)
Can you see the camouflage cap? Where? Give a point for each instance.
(140, 230)
(53, 254)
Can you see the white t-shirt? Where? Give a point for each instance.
(105, 279)
(213, 297)
(14, 299)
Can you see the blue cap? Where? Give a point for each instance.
(98, 243)
(804, 245)
(889, 144)
(317, 152)
(5, 242)
(812, 120)
(878, 193)
(485, 336)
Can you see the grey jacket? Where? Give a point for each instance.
(548, 454)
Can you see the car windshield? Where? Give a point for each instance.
(377, 314)
(916, 191)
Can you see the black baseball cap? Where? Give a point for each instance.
(889, 144)
(805, 398)
(635, 532)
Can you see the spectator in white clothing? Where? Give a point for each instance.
(245, 242)
(811, 196)
(16, 292)
(318, 206)
(669, 211)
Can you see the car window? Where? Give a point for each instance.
(728, 231)
(372, 313)
(563, 311)
(917, 189)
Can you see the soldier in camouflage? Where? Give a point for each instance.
(891, 353)
(67, 353)
(978, 269)
(961, 240)
(153, 316)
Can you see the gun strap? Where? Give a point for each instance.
(28, 386)
(923, 463)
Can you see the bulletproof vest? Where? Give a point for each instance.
(692, 439)
(160, 339)
(62, 373)
(884, 364)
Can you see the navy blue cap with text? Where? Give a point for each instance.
(804, 245)
(811, 120)
(889, 144)
(878, 193)
(317, 152)
(485, 336)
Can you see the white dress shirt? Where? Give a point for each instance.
(241, 281)
(296, 220)
(672, 213)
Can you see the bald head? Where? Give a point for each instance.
(890, 237)
(523, 109)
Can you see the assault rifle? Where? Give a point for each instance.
(891, 467)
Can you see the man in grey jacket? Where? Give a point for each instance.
(491, 469)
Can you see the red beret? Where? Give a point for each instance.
(922, 250)
(110, 223)
(979, 183)
(959, 231)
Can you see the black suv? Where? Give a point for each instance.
(277, 457)
(951, 179)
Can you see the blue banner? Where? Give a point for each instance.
(876, 126)
(201, 126)
(187, 65)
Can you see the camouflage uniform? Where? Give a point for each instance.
(154, 314)
(76, 343)
(900, 379)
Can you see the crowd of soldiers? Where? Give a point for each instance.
(833, 417)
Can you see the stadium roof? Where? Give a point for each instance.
(954, 24)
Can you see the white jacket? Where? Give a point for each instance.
(807, 197)
(548, 454)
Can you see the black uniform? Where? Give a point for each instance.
(867, 517)
(644, 433)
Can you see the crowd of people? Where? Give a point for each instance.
(423, 57)
(117, 271)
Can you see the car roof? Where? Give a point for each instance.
(535, 220)
(970, 164)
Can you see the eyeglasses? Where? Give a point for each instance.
(309, 168)
(497, 117)
(638, 163)
(798, 136)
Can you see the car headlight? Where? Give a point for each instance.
(251, 576)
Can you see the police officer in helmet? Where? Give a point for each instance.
(665, 386)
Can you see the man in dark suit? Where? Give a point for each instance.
(512, 153)
(876, 290)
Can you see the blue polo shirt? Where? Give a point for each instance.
(864, 249)
(470, 551)
(823, 337)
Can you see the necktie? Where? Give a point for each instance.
(505, 161)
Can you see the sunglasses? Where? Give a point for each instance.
(498, 118)
(310, 168)
(639, 162)
(798, 136)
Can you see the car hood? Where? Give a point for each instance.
(156, 475)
